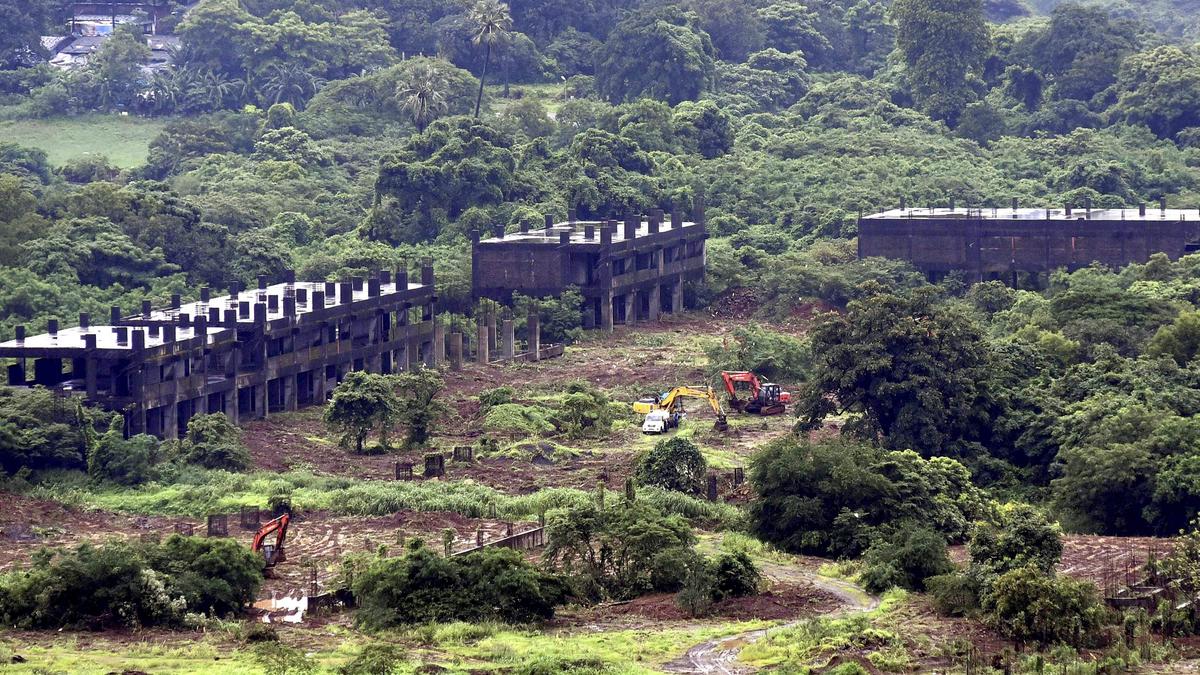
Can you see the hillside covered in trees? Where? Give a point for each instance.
(336, 137)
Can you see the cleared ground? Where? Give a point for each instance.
(124, 140)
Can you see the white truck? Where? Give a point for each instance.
(659, 422)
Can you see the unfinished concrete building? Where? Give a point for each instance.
(627, 271)
(247, 354)
(991, 243)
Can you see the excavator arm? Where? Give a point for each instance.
(272, 551)
(732, 379)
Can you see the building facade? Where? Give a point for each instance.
(247, 354)
(999, 243)
(627, 271)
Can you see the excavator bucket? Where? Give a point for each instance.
(722, 423)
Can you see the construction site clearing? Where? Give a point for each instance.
(627, 365)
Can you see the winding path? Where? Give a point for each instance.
(719, 656)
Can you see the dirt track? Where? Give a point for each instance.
(720, 656)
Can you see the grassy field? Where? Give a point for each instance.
(123, 140)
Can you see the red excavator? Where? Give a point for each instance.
(272, 551)
(766, 398)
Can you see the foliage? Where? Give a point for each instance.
(910, 368)
(362, 403)
(39, 430)
(119, 585)
(1020, 536)
(492, 584)
(910, 557)
(120, 460)
(417, 405)
(213, 442)
(944, 43)
(764, 352)
(658, 53)
(1027, 605)
(834, 497)
(676, 464)
(619, 551)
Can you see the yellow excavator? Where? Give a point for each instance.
(664, 411)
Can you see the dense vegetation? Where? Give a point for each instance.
(337, 136)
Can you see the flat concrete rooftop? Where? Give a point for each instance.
(256, 295)
(106, 338)
(577, 230)
(1109, 215)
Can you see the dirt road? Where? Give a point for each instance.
(719, 657)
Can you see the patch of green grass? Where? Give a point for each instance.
(123, 140)
(813, 642)
(196, 492)
(550, 95)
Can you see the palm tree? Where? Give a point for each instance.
(422, 94)
(165, 90)
(490, 24)
(290, 84)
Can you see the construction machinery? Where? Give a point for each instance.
(672, 403)
(272, 551)
(765, 398)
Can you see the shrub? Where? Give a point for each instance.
(1028, 605)
(120, 460)
(735, 575)
(362, 403)
(42, 431)
(1021, 536)
(770, 355)
(696, 595)
(490, 398)
(120, 585)
(639, 540)
(214, 442)
(518, 419)
(675, 464)
(906, 560)
(953, 594)
(493, 584)
(374, 659)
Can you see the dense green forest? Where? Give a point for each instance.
(339, 136)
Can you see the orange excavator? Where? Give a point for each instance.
(766, 398)
(272, 552)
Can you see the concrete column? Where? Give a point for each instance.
(655, 301)
(291, 386)
(230, 405)
(491, 324)
(606, 311)
(456, 348)
(508, 339)
(535, 335)
(631, 307)
(91, 365)
(481, 342)
(677, 296)
(319, 383)
(170, 417)
(263, 402)
(439, 344)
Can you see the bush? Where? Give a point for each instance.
(493, 584)
(953, 594)
(214, 442)
(696, 595)
(118, 585)
(516, 418)
(1028, 605)
(584, 411)
(647, 549)
(374, 659)
(120, 460)
(42, 431)
(490, 398)
(768, 354)
(735, 576)
(906, 560)
(1021, 536)
(674, 464)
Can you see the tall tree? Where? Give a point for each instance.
(911, 368)
(421, 94)
(491, 24)
(362, 403)
(944, 43)
(657, 53)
